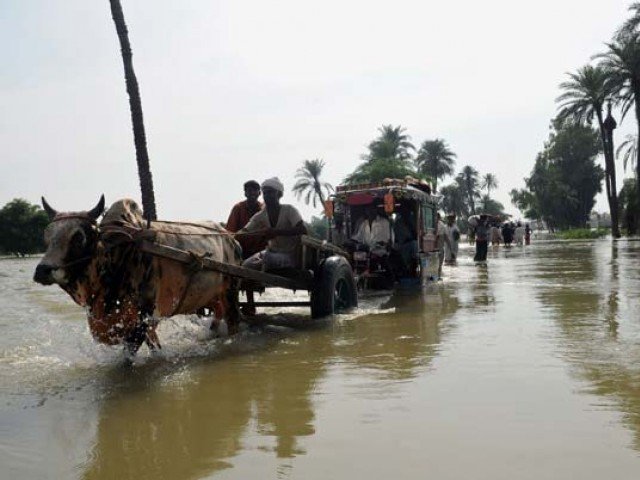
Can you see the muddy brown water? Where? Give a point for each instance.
(526, 368)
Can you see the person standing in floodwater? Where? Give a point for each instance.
(442, 239)
(527, 234)
(482, 229)
(451, 248)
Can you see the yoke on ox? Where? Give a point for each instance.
(125, 289)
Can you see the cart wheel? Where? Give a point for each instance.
(335, 289)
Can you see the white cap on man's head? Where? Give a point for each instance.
(274, 183)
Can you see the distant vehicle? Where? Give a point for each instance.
(410, 258)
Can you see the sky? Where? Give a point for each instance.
(240, 89)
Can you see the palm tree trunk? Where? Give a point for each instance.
(135, 105)
(615, 224)
(636, 95)
(610, 176)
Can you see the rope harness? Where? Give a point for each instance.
(134, 234)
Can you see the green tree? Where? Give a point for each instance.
(309, 184)
(490, 182)
(493, 207)
(469, 181)
(453, 200)
(378, 170)
(22, 227)
(526, 202)
(389, 156)
(135, 105)
(628, 150)
(318, 227)
(630, 26)
(435, 160)
(393, 143)
(629, 206)
(565, 178)
(584, 97)
(622, 61)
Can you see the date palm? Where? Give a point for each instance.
(490, 182)
(583, 99)
(389, 156)
(393, 143)
(628, 150)
(453, 200)
(135, 105)
(309, 183)
(468, 180)
(622, 60)
(630, 26)
(435, 160)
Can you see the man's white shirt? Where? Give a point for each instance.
(371, 233)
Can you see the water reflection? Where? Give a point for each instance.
(596, 332)
(396, 346)
(190, 421)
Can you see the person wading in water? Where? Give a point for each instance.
(481, 228)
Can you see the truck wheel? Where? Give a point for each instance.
(335, 288)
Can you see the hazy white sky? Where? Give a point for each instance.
(240, 89)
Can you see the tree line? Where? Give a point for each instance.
(22, 228)
(591, 95)
(392, 155)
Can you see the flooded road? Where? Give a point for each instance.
(527, 368)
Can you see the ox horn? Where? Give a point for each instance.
(47, 208)
(96, 211)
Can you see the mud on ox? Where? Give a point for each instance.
(125, 290)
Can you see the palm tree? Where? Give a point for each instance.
(392, 143)
(453, 200)
(309, 183)
(135, 105)
(389, 156)
(435, 160)
(379, 169)
(630, 26)
(490, 182)
(584, 96)
(628, 150)
(622, 60)
(468, 180)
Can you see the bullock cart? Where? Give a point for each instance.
(129, 273)
(324, 271)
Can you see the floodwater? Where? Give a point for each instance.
(526, 368)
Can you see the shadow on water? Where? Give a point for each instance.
(593, 292)
(189, 419)
(159, 422)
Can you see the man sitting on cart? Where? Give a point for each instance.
(240, 216)
(374, 232)
(281, 224)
